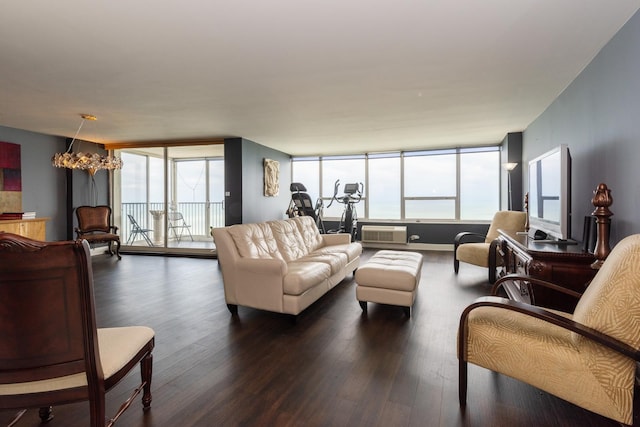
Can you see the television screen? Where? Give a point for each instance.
(549, 193)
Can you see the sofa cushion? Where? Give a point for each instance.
(351, 250)
(337, 261)
(475, 253)
(309, 232)
(304, 275)
(288, 239)
(254, 241)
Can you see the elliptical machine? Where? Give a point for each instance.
(301, 205)
(349, 220)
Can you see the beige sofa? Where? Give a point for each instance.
(282, 266)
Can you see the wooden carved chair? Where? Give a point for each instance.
(94, 225)
(478, 249)
(588, 358)
(51, 351)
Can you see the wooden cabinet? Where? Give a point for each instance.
(32, 228)
(563, 264)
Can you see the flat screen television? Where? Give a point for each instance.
(550, 194)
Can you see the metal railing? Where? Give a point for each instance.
(198, 215)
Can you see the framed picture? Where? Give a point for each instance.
(10, 178)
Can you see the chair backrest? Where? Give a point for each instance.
(134, 223)
(511, 221)
(611, 302)
(47, 317)
(175, 216)
(94, 218)
(302, 200)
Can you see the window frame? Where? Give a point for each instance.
(458, 152)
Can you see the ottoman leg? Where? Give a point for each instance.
(407, 311)
(363, 305)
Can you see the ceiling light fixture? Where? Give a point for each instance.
(91, 162)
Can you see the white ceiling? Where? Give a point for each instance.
(305, 77)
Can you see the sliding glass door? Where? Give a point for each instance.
(166, 199)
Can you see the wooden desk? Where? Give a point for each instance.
(563, 264)
(33, 228)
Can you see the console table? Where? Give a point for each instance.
(563, 264)
(33, 228)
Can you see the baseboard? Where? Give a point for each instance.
(410, 246)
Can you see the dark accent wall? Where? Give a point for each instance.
(244, 180)
(432, 233)
(597, 116)
(233, 181)
(82, 189)
(512, 153)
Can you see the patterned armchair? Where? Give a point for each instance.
(474, 248)
(587, 358)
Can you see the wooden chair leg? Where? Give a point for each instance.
(493, 262)
(462, 382)
(46, 414)
(118, 249)
(146, 372)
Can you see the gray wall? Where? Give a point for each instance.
(244, 181)
(49, 191)
(597, 116)
(43, 186)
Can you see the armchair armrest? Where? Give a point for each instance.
(80, 232)
(467, 236)
(547, 316)
(532, 281)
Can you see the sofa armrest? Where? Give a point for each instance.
(255, 282)
(336, 239)
(266, 266)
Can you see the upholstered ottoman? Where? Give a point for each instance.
(389, 277)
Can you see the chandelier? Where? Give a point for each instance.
(91, 162)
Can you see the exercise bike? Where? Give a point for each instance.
(301, 205)
(349, 220)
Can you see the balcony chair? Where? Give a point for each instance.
(588, 358)
(177, 222)
(94, 226)
(51, 351)
(478, 249)
(136, 229)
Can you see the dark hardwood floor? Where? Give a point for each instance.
(333, 367)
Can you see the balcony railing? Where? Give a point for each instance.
(198, 215)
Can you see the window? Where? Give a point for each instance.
(479, 177)
(176, 193)
(384, 193)
(430, 185)
(306, 170)
(341, 171)
(452, 184)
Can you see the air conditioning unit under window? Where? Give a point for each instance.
(384, 234)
